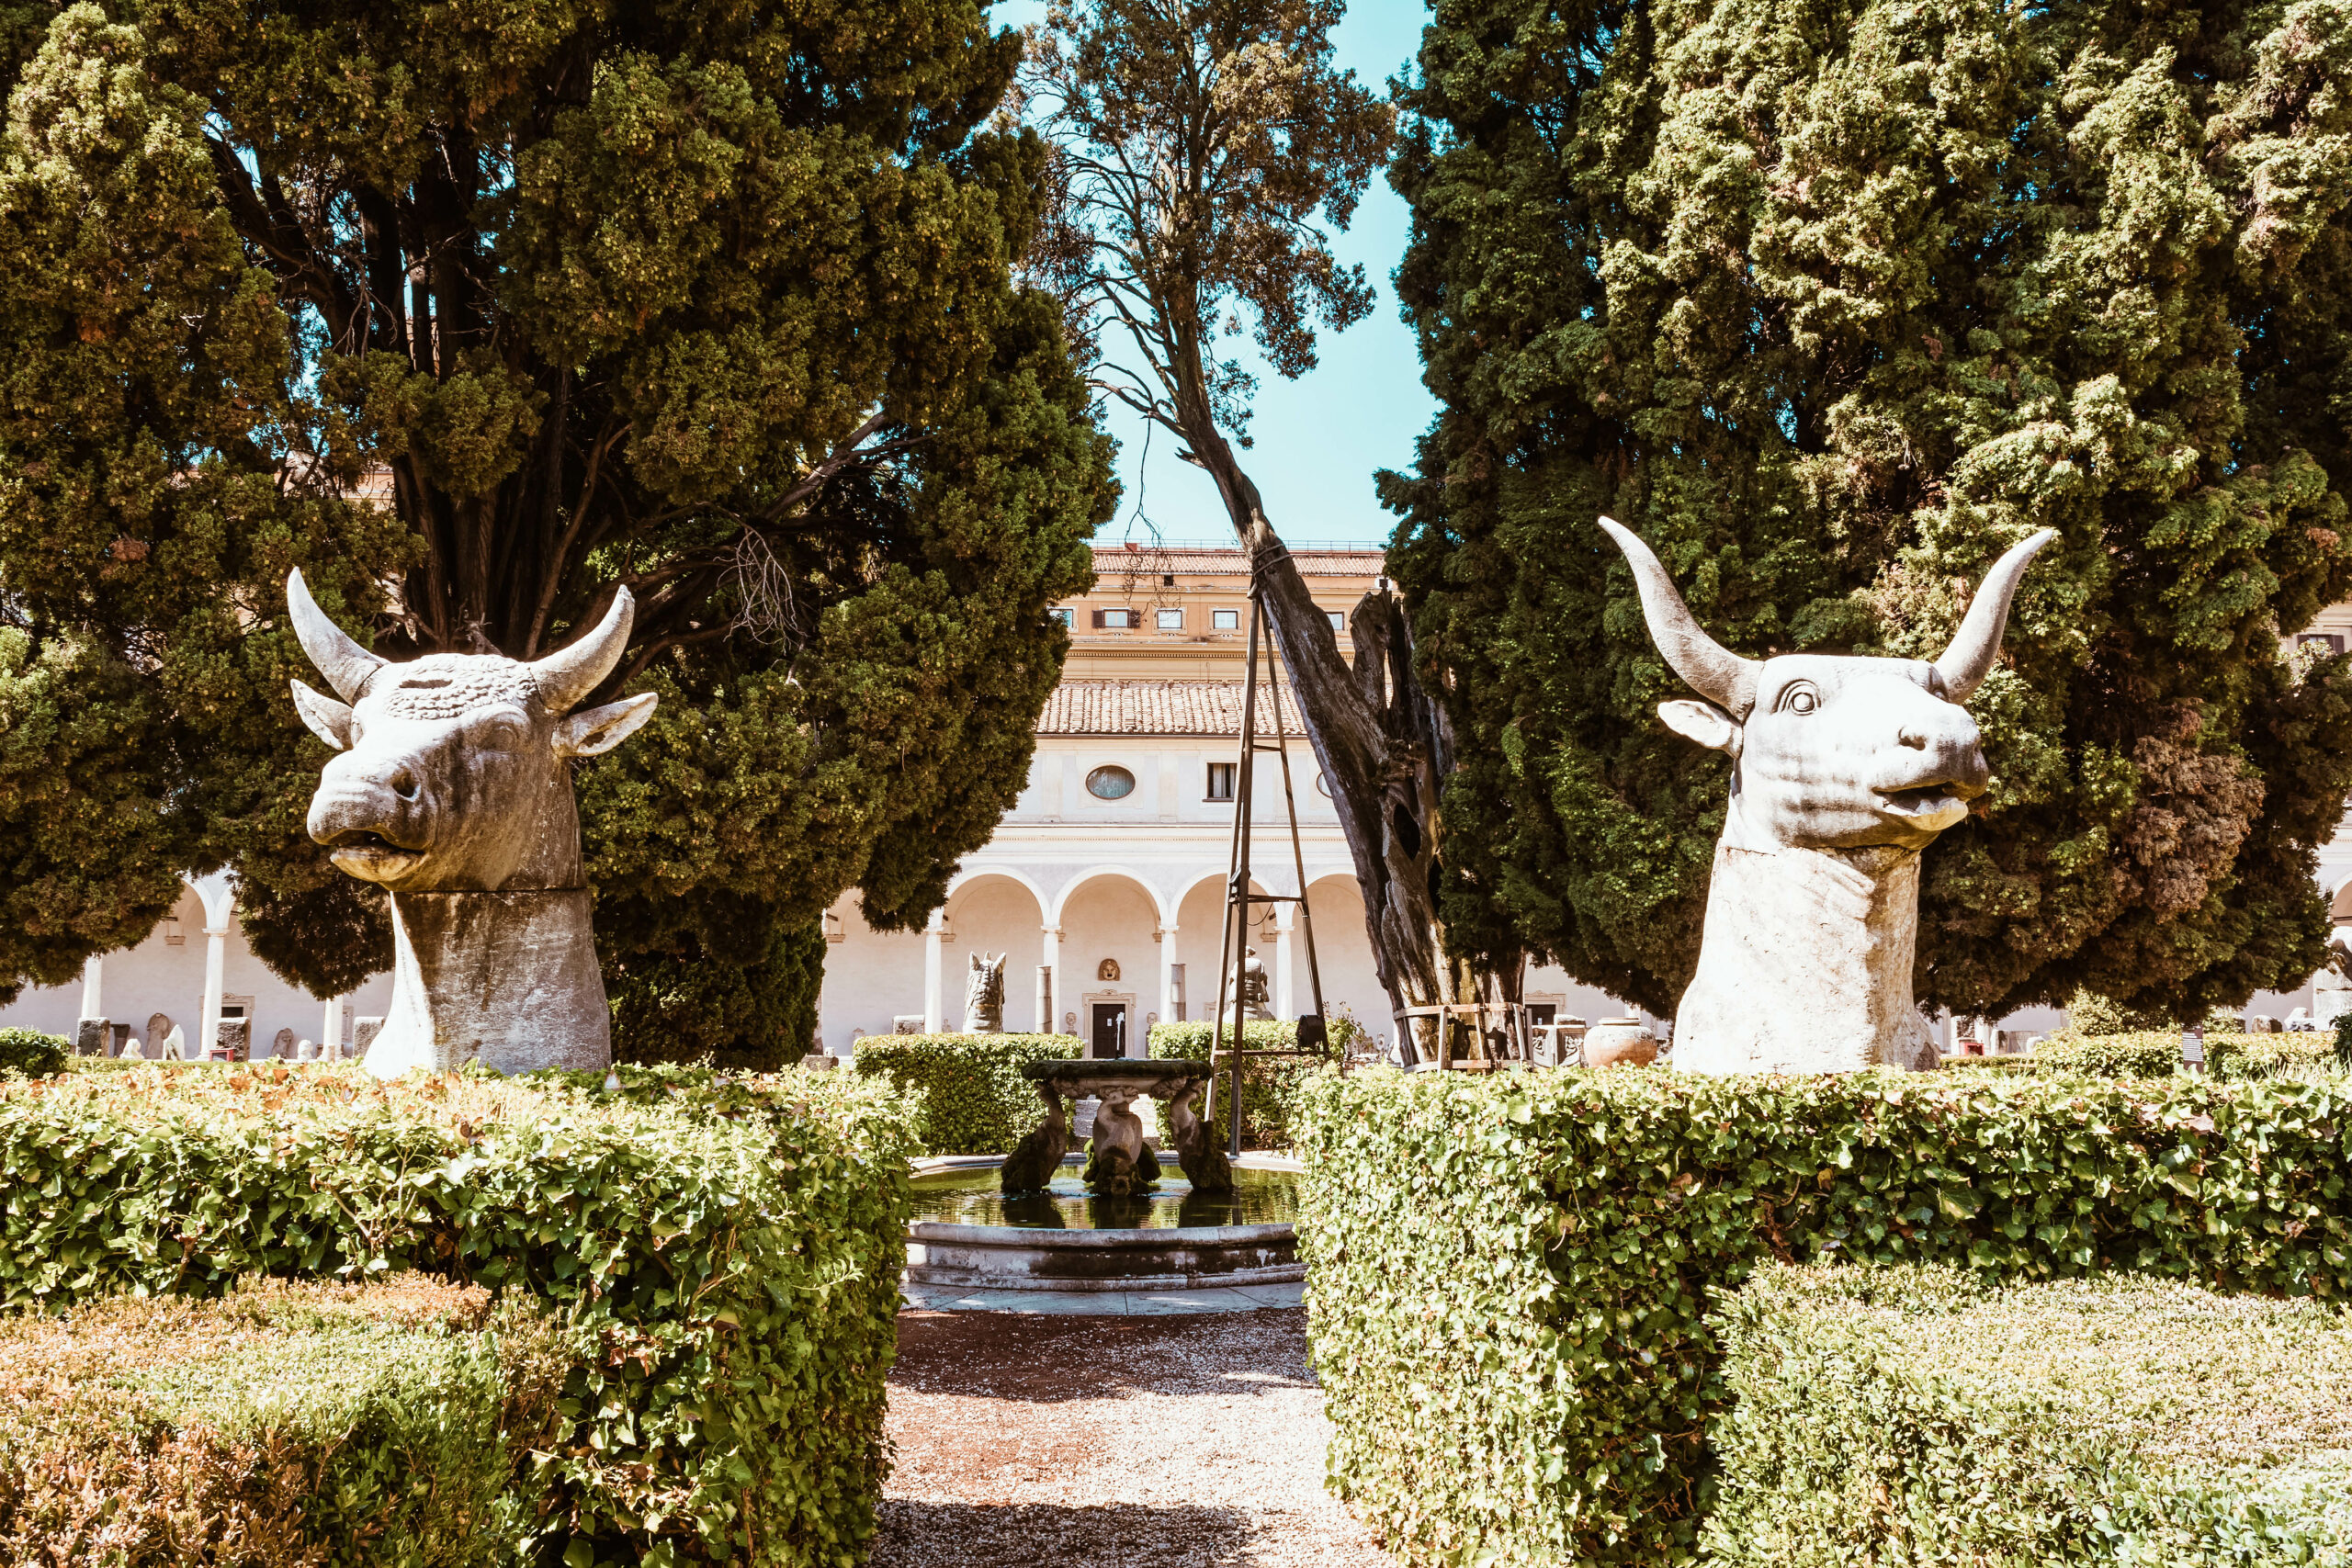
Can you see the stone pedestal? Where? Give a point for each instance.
(1119, 1163)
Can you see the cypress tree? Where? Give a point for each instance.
(715, 301)
(1832, 301)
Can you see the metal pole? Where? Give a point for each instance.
(1298, 855)
(1232, 860)
(1237, 892)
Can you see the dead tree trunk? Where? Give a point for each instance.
(1383, 746)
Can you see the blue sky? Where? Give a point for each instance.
(1319, 438)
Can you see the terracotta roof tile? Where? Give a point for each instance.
(1115, 561)
(1157, 707)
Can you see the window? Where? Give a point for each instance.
(1112, 783)
(1323, 786)
(1339, 621)
(1171, 620)
(1225, 620)
(2326, 642)
(1116, 620)
(1221, 780)
(1064, 614)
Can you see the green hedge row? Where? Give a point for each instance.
(721, 1253)
(315, 1424)
(1269, 1085)
(2156, 1053)
(1922, 1416)
(33, 1054)
(971, 1097)
(1508, 1274)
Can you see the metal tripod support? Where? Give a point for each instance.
(1232, 946)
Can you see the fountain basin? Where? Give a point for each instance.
(1052, 1253)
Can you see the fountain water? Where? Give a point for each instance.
(1120, 1224)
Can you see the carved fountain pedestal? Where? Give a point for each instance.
(1119, 1163)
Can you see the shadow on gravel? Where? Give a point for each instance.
(1028, 1535)
(1044, 1360)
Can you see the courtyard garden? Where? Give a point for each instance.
(559, 509)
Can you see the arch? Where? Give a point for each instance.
(218, 893)
(1095, 873)
(2339, 907)
(970, 874)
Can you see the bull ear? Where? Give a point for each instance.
(323, 717)
(1702, 722)
(600, 729)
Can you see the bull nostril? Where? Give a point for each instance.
(405, 785)
(1912, 738)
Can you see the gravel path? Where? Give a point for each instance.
(1095, 1443)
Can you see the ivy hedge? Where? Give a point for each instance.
(33, 1054)
(970, 1095)
(1924, 1415)
(2155, 1053)
(1508, 1274)
(720, 1254)
(1269, 1085)
(319, 1424)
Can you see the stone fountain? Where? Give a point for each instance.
(1119, 1164)
(1116, 1227)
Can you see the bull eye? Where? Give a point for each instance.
(1801, 698)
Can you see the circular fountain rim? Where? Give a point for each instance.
(1057, 1240)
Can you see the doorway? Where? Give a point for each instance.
(1109, 1038)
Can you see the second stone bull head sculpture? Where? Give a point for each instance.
(452, 792)
(1843, 769)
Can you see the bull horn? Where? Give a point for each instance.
(1717, 673)
(1973, 647)
(570, 673)
(343, 662)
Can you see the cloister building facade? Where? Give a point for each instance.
(1102, 888)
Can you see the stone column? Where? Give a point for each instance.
(94, 986)
(1286, 917)
(1053, 991)
(331, 1031)
(215, 957)
(931, 938)
(1167, 977)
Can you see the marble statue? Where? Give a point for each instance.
(1843, 769)
(2332, 986)
(1255, 996)
(453, 792)
(984, 995)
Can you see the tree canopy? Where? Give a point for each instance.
(1833, 301)
(477, 313)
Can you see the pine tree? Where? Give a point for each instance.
(1832, 303)
(713, 300)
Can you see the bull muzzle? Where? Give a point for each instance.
(373, 822)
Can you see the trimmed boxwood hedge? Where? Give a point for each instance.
(1924, 1415)
(971, 1097)
(2156, 1053)
(1509, 1274)
(721, 1253)
(33, 1054)
(286, 1423)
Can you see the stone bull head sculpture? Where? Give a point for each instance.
(452, 792)
(1843, 769)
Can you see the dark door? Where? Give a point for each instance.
(1109, 1029)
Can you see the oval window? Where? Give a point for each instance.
(1323, 786)
(1110, 783)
